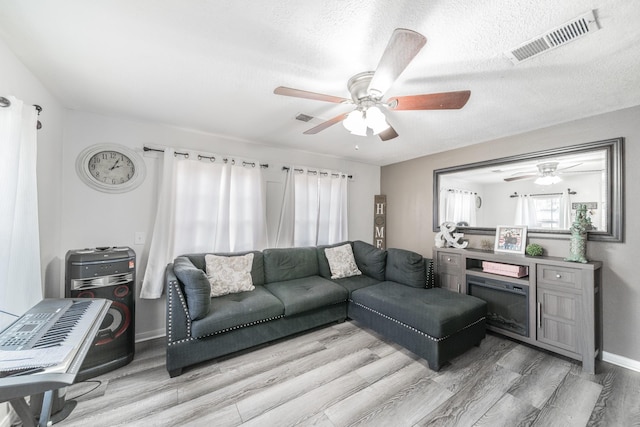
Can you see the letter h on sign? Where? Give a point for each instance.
(379, 221)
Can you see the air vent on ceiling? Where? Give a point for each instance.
(569, 31)
(303, 117)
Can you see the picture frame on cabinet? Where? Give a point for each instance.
(511, 238)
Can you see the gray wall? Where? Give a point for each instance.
(408, 186)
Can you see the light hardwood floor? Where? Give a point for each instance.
(345, 375)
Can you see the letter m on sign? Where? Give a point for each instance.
(380, 221)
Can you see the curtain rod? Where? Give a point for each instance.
(451, 190)
(515, 194)
(4, 103)
(211, 158)
(314, 172)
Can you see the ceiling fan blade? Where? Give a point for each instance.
(432, 101)
(515, 178)
(403, 46)
(388, 134)
(287, 91)
(324, 125)
(569, 167)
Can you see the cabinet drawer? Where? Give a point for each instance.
(449, 260)
(554, 275)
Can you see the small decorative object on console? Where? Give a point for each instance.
(578, 240)
(534, 249)
(447, 237)
(486, 245)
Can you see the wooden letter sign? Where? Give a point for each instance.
(379, 221)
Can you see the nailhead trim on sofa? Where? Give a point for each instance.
(411, 327)
(170, 320)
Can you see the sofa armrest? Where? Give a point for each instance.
(178, 322)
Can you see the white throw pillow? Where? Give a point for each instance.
(229, 274)
(341, 262)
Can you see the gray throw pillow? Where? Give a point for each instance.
(369, 259)
(197, 288)
(405, 267)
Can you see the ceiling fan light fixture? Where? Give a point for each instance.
(358, 122)
(376, 120)
(355, 123)
(547, 180)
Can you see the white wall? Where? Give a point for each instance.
(91, 218)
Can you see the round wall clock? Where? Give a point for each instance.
(111, 168)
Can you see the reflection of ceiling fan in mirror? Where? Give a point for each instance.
(368, 88)
(548, 173)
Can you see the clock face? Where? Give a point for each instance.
(111, 167)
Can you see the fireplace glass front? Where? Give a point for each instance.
(507, 303)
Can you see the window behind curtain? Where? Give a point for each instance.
(314, 209)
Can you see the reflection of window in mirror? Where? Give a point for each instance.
(545, 212)
(459, 206)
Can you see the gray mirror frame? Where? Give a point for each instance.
(615, 164)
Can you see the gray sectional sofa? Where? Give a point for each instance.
(294, 292)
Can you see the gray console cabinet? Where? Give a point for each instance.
(565, 298)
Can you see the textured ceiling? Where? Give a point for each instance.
(212, 65)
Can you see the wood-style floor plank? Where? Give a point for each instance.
(509, 411)
(541, 374)
(345, 375)
(571, 404)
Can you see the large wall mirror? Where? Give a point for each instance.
(540, 190)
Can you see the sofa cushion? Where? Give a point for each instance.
(405, 267)
(369, 259)
(257, 268)
(300, 295)
(197, 289)
(341, 262)
(229, 274)
(356, 282)
(437, 312)
(235, 310)
(323, 264)
(289, 263)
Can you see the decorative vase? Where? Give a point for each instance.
(578, 240)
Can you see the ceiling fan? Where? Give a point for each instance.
(368, 88)
(547, 173)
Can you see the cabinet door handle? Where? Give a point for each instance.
(449, 259)
(558, 276)
(459, 288)
(539, 315)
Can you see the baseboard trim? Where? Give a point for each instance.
(622, 361)
(149, 335)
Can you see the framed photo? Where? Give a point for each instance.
(511, 238)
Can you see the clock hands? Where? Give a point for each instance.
(115, 165)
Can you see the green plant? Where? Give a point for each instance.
(534, 249)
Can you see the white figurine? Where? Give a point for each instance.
(448, 237)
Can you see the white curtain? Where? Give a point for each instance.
(526, 211)
(20, 276)
(314, 209)
(458, 206)
(204, 207)
(565, 211)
